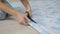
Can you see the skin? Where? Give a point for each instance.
(21, 17)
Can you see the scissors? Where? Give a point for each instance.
(30, 17)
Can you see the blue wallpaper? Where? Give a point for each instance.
(47, 16)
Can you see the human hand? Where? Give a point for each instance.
(22, 18)
(30, 12)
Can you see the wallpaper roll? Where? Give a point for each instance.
(47, 16)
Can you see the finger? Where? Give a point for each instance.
(27, 23)
(30, 13)
(26, 18)
(24, 23)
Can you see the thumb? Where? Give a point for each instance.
(26, 18)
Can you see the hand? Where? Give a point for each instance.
(30, 12)
(23, 19)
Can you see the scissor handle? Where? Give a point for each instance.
(29, 17)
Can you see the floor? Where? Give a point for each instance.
(12, 26)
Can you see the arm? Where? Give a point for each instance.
(20, 16)
(0, 0)
(27, 6)
(7, 9)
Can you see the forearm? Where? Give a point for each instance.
(26, 4)
(7, 9)
(0, 0)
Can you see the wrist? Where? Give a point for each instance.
(28, 9)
